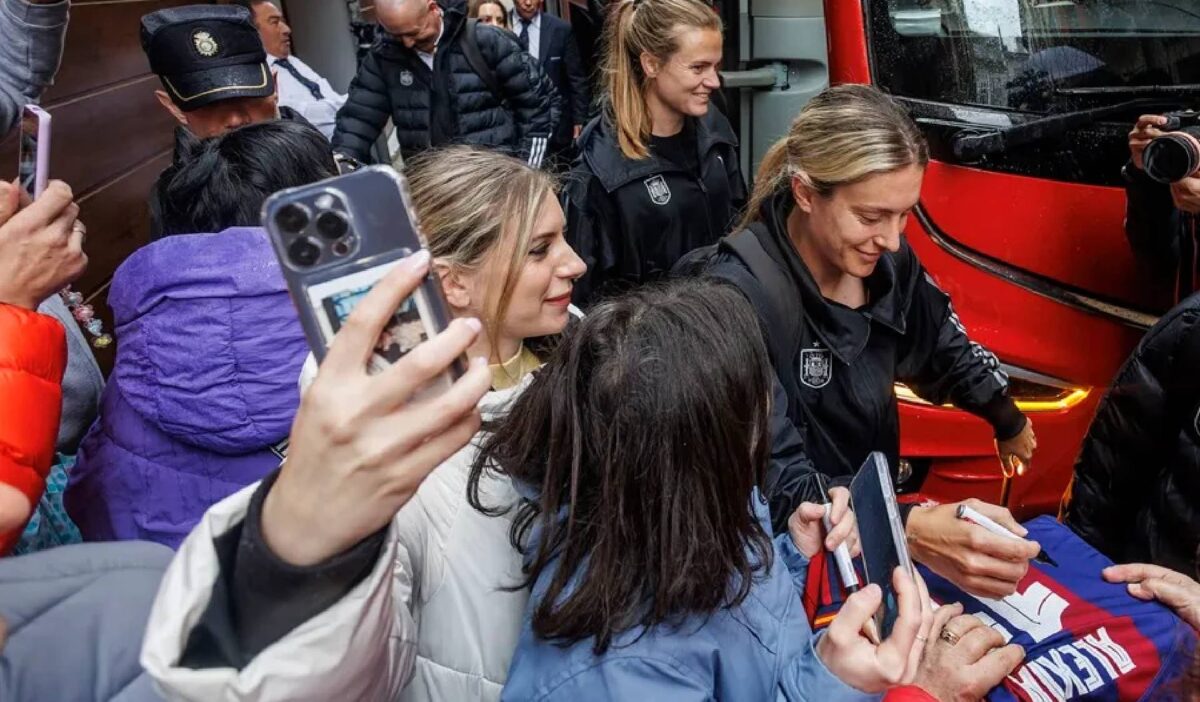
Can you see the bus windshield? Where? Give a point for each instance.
(1033, 56)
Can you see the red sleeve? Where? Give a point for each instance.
(908, 693)
(33, 356)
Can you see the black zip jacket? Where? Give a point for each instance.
(841, 405)
(1136, 492)
(451, 104)
(1163, 238)
(631, 220)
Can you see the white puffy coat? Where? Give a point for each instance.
(431, 621)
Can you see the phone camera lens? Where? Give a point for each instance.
(292, 218)
(332, 224)
(304, 252)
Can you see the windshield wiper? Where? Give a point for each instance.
(973, 145)
(1131, 90)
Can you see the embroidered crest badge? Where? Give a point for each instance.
(205, 43)
(406, 78)
(816, 367)
(660, 194)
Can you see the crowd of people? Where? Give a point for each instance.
(623, 496)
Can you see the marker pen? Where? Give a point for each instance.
(975, 517)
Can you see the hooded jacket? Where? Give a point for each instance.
(840, 405)
(452, 104)
(203, 386)
(631, 220)
(761, 649)
(33, 354)
(1135, 496)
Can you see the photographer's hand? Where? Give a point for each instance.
(1145, 131)
(1186, 194)
(361, 446)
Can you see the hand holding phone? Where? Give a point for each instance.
(362, 443)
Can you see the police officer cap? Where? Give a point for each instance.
(206, 53)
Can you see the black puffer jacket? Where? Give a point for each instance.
(837, 404)
(631, 221)
(451, 103)
(1136, 491)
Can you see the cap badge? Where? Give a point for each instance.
(205, 43)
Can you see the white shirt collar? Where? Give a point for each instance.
(441, 30)
(535, 22)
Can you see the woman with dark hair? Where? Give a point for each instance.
(204, 384)
(642, 446)
(490, 12)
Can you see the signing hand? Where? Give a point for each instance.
(806, 528)
(361, 445)
(1145, 131)
(1151, 582)
(1018, 449)
(850, 656)
(964, 658)
(976, 560)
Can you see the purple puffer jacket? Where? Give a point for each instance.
(209, 353)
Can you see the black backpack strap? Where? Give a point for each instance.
(469, 42)
(782, 301)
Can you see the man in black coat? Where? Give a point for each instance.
(442, 80)
(1135, 496)
(551, 43)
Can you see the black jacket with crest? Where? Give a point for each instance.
(835, 403)
(631, 220)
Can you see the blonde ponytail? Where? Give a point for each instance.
(632, 28)
(844, 134)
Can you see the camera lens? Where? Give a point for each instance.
(304, 252)
(1174, 156)
(332, 224)
(292, 218)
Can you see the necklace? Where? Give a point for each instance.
(86, 316)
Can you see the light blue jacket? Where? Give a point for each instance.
(760, 650)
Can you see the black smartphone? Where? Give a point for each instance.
(335, 239)
(881, 534)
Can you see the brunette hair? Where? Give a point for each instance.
(474, 5)
(634, 27)
(844, 134)
(645, 436)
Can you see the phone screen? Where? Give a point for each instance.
(883, 542)
(27, 167)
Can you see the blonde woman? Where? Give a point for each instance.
(858, 313)
(337, 580)
(658, 171)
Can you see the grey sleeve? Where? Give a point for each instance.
(31, 43)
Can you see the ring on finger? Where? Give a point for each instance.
(949, 636)
(922, 639)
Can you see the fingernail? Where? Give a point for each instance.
(473, 323)
(479, 362)
(418, 260)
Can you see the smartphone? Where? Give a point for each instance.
(335, 239)
(881, 534)
(33, 157)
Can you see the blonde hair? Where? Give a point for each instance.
(634, 27)
(843, 135)
(470, 203)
